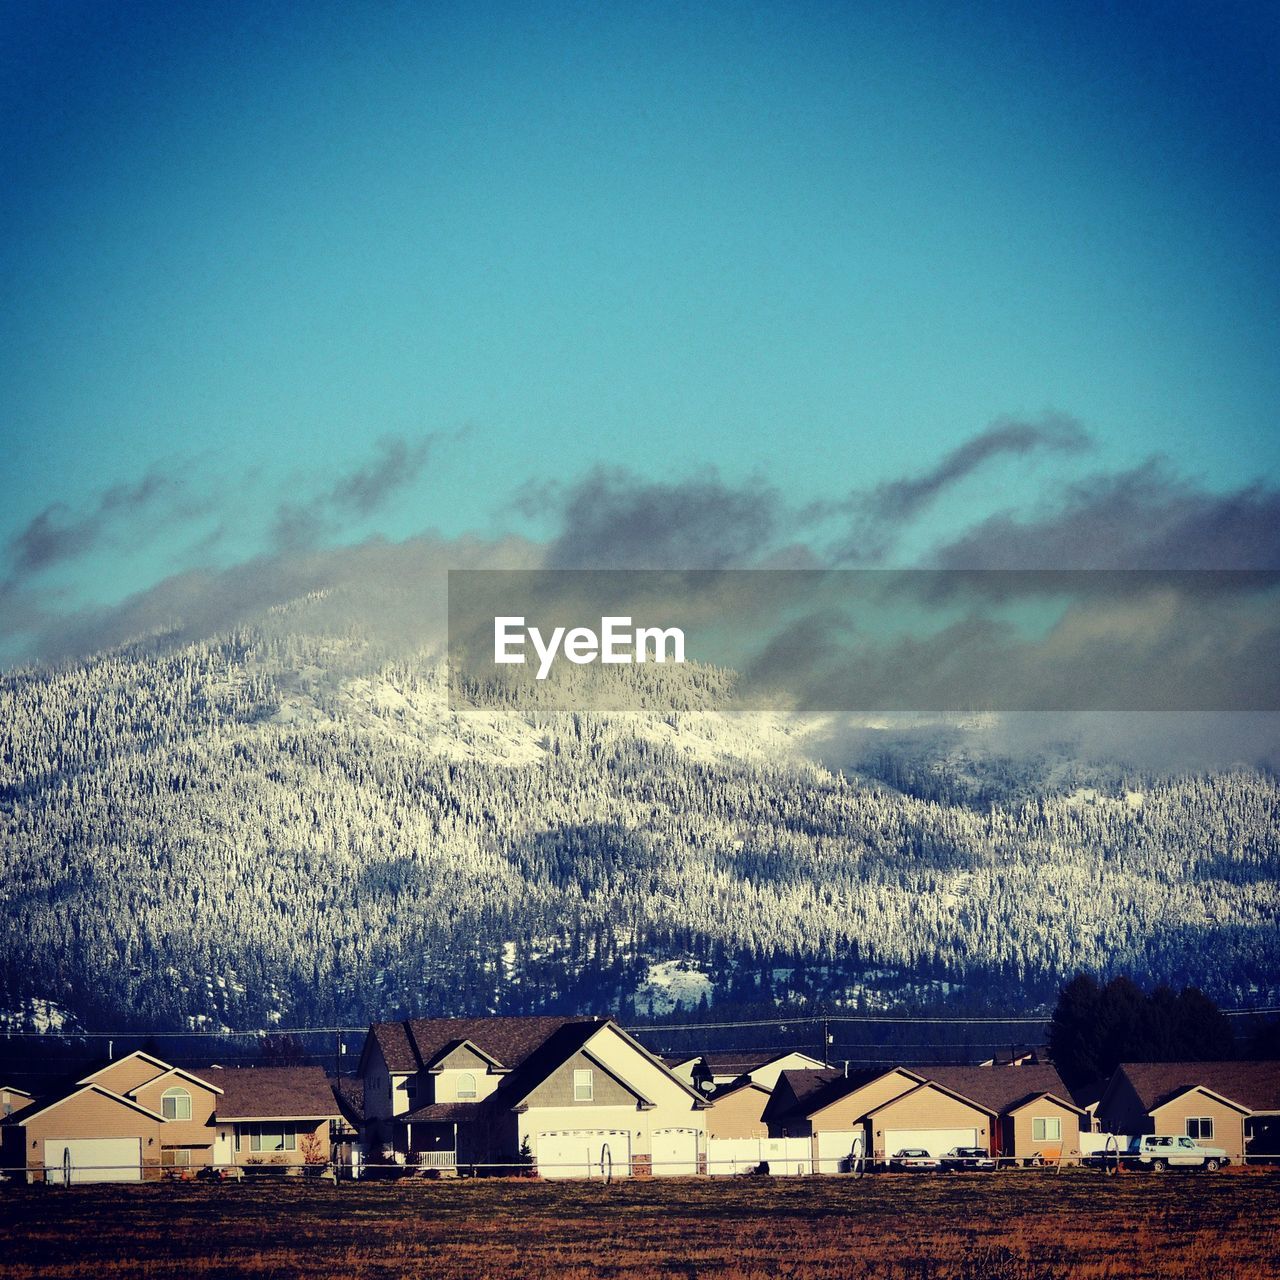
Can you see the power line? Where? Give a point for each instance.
(890, 1020)
(133, 1033)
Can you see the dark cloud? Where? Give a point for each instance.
(396, 464)
(1145, 518)
(611, 519)
(393, 591)
(879, 514)
(58, 534)
(900, 500)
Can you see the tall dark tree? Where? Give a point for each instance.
(1075, 1031)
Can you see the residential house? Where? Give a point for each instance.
(1038, 1120)
(273, 1116)
(130, 1119)
(566, 1096)
(737, 1110)
(876, 1112)
(1232, 1105)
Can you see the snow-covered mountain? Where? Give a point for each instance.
(288, 822)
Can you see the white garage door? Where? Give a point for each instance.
(675, 1152)
(584, 1153)
(93, 1159)
(936, 1142)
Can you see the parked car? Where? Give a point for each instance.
(968, 1159)
(1159, 1151)
(914, 1160)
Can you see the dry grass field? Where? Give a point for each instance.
(1014, 1226)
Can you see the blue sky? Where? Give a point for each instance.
(816, 247)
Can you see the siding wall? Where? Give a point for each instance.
(443, 1080)
(927, 1108)
(1228, 1124)
(557, 1089)
(196, 1133)
(127, 1074)
(90, 1115)
(848, 1111)
(738, 1115)
(1019, 1128)
(246, 1156)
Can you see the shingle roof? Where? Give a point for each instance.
(349, 1092)
(999, 1088)
(564, 1041)
(1255, 1085)
(438, 1112)
(262, 1092)
(407, 1046)
(742, 1063)
(815, 1089)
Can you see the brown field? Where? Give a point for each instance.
(1014, 1226)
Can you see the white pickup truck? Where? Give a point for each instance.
(1158, 1152)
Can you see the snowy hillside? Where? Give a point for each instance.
(291, 824)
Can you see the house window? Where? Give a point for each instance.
(265, 1138)
(1199, 1127)
(1046, 1129)
(466, 1085)
(175, 1157)
(175, 1104)
(584, 1083)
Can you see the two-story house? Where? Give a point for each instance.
(568, 1097)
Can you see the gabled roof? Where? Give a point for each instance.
(30, 1113)
(274, 1093)
(672, 1060)
(417, 1042)
(453, 1046)
(930, 1084)
(562, 1044)
(799, 1094)
(173, 1071)
(1002, 1089)
(1252, 1085)
(13, 1088)
(735, 1087)
(159, 1064)
(741, 1064)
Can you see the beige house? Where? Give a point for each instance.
(139, 1118)
(273, 1116)
(1037, 1120)
(574, 1097)
(86, 1134)
(931, 1117)
(833, 1109)
(1023, 1112)
(1232, 1105)
(832, 1100)
(737, 1110)
(132, 1118)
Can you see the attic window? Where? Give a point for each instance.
(584, 1084)
(175, 1104)
(466, 1085)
